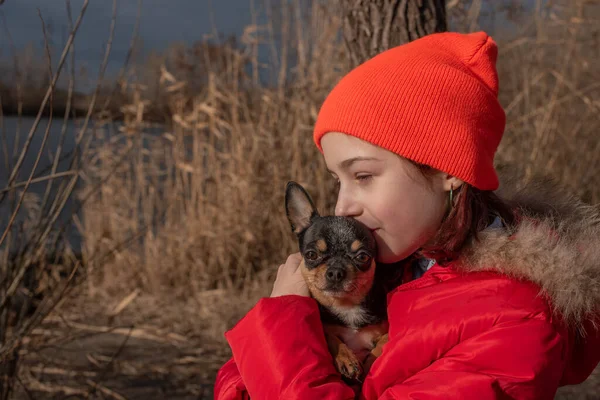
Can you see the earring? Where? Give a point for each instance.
(451, 198)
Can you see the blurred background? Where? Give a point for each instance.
(145, 146)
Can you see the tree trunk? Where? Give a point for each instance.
(373, 26)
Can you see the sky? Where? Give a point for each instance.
(162, 23)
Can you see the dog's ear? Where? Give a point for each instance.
(299, 207)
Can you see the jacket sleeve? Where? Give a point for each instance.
(521, 359)
(229, 384)
(280, 351)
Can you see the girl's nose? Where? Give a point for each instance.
(347, 206)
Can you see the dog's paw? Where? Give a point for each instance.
(347, 364)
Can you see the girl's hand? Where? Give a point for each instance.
(289, 278)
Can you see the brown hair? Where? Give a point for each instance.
(473, 210)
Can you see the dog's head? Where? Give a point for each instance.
(339, 252)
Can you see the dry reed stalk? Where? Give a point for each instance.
(24, 235)
(38, 265)
(205, 197)
(552, 98)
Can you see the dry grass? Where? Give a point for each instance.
(200, 204)
(550, 90)
(85, 350)
(32, 250)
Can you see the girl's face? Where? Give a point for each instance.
(386, 193)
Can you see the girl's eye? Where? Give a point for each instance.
(364, 177)
(311, 255)
(363, 258)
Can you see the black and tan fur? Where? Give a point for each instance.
(340, 271)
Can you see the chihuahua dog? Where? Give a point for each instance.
(340, 271)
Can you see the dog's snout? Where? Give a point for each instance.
(335, 275)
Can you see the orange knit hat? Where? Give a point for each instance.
(433, 101)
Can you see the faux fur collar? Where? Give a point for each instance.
(556, 245)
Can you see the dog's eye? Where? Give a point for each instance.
(362, 258)
(311, 255)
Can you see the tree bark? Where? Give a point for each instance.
(373, 26)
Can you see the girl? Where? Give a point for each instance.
(504, 296)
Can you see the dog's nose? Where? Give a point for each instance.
(335, 275)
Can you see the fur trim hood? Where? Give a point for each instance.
(555, 244)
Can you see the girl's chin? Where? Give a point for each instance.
(387, 256)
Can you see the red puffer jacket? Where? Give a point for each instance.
(476, 329)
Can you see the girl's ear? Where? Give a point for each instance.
(299, 207)
(451, 182)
